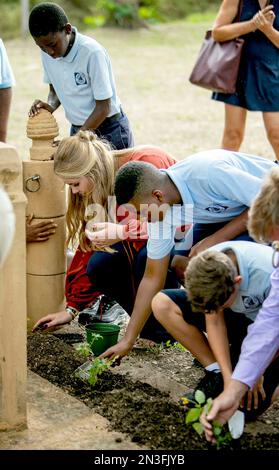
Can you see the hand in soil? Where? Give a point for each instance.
(50, 322)
(120, 350)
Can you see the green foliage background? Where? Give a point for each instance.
(78, 10)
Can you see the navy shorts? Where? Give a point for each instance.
(236, 323)
(115, 129)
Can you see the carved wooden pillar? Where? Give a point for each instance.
(46, 261)
(12, 292)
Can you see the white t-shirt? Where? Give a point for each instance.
(82, 77)
(215, 186)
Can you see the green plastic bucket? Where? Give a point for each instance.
(109, 333)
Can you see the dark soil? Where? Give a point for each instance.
(132, 407)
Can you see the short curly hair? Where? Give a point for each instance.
(135, 179)
(46, 18)
(209, 280)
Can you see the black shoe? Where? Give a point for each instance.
(211, 385)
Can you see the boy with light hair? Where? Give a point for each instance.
(225, 288)
(260, 348)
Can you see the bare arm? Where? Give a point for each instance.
(218, 340)
(224, 29)
(152, 282)
(231, 230)
(267, 28)
(5, 105)
(53, 99)
(99, 114)
(52, 103)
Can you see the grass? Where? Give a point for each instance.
(151, 67)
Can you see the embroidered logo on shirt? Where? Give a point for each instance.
(80, 78)
(251, 302)
(216, 208)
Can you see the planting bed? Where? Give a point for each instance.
(151, 417)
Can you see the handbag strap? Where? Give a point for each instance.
(239, 10)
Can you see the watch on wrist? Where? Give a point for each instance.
(72, 311)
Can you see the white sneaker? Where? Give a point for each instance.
(105, 310)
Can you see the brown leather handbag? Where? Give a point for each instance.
(218, 63)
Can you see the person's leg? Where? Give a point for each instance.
(271, 123)
(235, 119)
(139, 268)
(110, 273)
(169, 313)
(126, 132)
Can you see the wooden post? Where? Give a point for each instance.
(13, 328)
(45, 192)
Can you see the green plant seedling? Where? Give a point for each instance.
(201, 404)
(84, 349)
(95, 336)
(92, 369)
(175, 345)
(98, 367)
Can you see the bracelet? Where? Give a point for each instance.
(72, 311)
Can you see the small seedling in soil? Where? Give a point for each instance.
(156, 349)
(175, 345)
(84, 349)
(92, 369)
(97, 368)
(95, 336)
(222, 436)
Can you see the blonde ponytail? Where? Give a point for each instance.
(84, 155)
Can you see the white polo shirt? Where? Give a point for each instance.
(215, 186)
(255, 268)
(82, 77)
(6, 74)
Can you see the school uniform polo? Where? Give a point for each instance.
(82, 77)
(6, 74)
(255, 268)
(215, 187)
